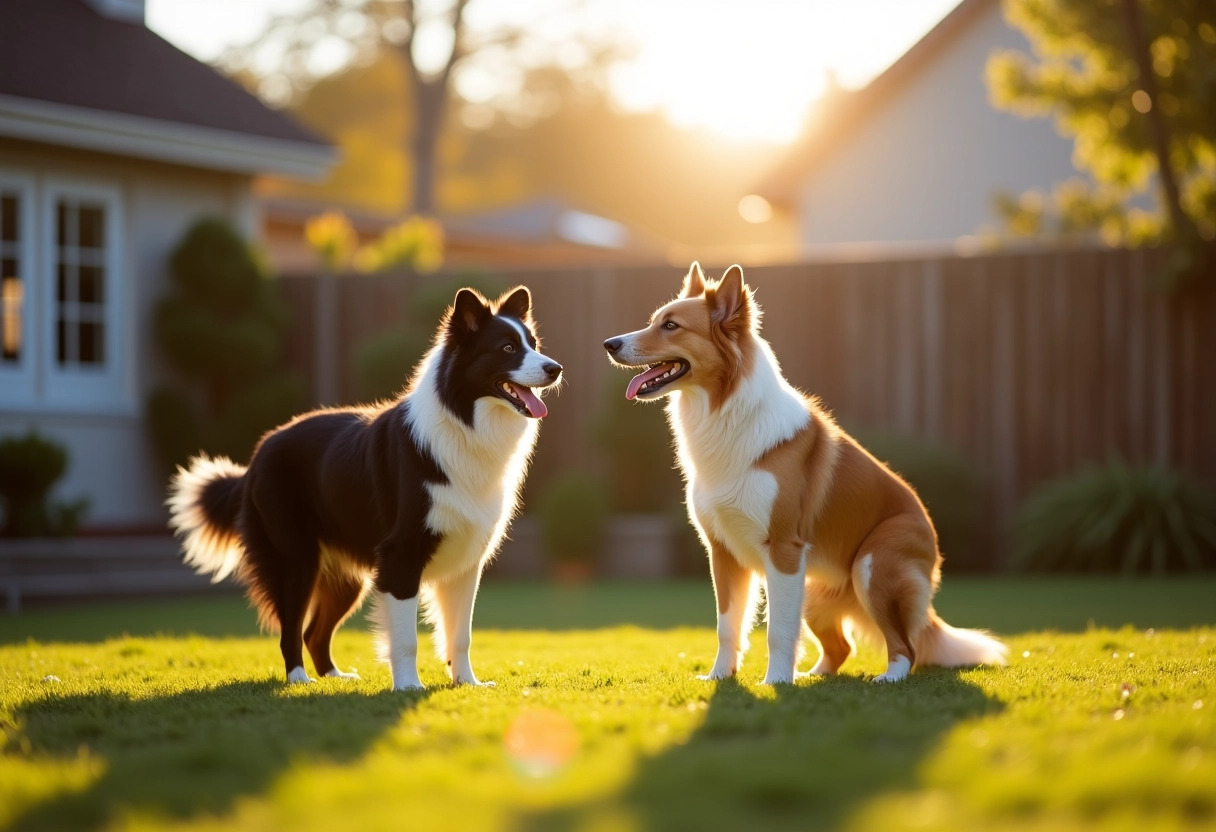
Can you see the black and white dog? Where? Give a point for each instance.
(410, 497)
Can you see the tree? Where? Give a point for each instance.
(221, 330)
(292, 52)
(1134, 83)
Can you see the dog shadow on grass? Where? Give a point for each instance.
(194, 753)
(808, 757)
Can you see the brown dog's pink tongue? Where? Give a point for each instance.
(536, 408)
(637, 381)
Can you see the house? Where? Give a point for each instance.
(112, 143)
(913, 160)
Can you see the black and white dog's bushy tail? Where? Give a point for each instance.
(204, 503)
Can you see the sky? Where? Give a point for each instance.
(746, 69)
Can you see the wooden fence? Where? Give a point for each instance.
(1027, 364)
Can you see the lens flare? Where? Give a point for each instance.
(540, 742)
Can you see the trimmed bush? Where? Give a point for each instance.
(29, 468)
(947, 486)
(221, 329)
(573, 512)
(1117, 518)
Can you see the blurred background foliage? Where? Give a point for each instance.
(573, 511)
(30, 465)
(383, 362)
(1117, 518)
(220, 333)
(1133, 82)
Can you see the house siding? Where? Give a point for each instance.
(924, 167)
(111, 461)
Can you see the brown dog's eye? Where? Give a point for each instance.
(671, 325)
(508, 348)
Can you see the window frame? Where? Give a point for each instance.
(19, 380)
(80, 387)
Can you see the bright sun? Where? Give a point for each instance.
(746, 71)
(750, 71)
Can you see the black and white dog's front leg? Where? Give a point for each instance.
(455, 599)
(401, 633)
(398, 581)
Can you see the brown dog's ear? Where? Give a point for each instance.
(730, 299)
(518, 304)
(694, 282)
(469, 312)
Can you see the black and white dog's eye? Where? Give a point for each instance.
(508, 348)
(671, 325)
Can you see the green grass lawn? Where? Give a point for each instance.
(171, 714)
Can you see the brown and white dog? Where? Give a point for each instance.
(777, 490)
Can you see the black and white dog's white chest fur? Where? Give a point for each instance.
(411, 498)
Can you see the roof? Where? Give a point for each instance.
(542, 220)
(847, 111)
(66, 66)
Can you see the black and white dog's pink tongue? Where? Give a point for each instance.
(536, 408)
(635, 384)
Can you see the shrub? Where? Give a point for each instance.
(221, 329)
(416, 243)
(1117, 518)
(573, 512)
(947, 486)
(383, 363)
(333, 239)
(637, 449)
(29, 468)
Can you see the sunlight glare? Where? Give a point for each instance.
(432, 45)
(755, 209)
(744, 71)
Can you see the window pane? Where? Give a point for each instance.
(91, 285)
(10, 318)
(91, 346)
(92, 227)
(61, 283)
(61, 223)
(61, 341)
(8, 218)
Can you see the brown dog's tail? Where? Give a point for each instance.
(204, 505)
(946, 646)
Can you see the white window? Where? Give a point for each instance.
(83, 297)
(17, 301)
(62, 297)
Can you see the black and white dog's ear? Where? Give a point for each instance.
(469, 312)
(517, 304)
